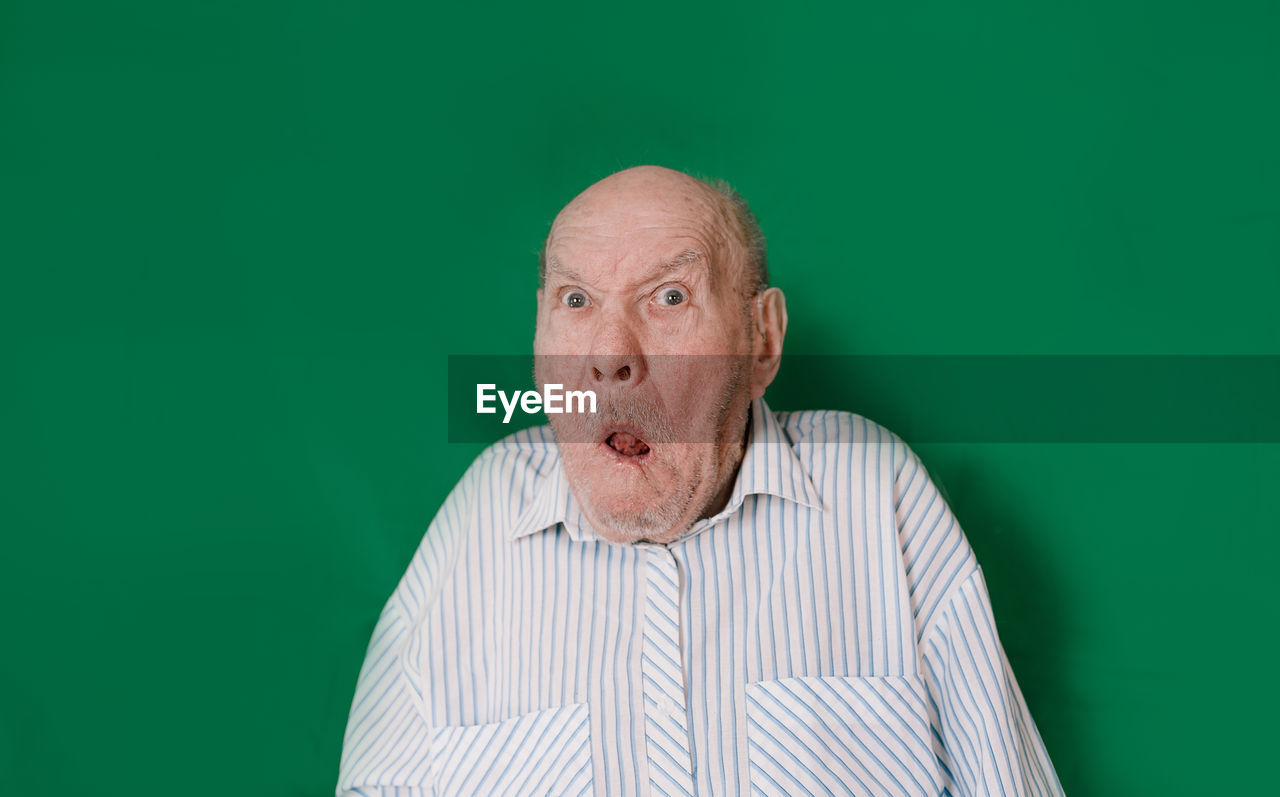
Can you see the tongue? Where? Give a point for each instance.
(627, 444)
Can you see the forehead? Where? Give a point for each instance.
(628, 227)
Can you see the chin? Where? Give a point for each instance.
(629, 497)
(623, 507)
(630, 528)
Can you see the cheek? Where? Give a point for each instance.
(684, 462)
(694, 389)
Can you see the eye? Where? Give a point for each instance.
(670, 297)
(574, 299)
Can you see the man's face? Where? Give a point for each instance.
(644, 303)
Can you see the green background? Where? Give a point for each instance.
(238, 242)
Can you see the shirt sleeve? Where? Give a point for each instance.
(386, 747)
(985, 739)
(989, 742)
(386, 743)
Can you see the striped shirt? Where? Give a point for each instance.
(828, 632)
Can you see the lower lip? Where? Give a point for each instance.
(623, 459)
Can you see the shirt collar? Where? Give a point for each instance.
(552, 503)
(769, 467)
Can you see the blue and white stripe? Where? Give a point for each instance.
(828, 632)
(666, 715)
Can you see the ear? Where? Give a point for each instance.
(768, 333)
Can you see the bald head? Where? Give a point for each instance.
(646, 195)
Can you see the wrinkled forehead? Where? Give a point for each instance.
(621, 226)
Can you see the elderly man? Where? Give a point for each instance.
(686, 593)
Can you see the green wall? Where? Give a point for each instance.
(238, 242)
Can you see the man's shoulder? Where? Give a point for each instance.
(833, 426)
(827, 436)
(499, 486)
(531, 452)
(509, 474)
(535, 440)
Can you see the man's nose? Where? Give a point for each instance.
(616, 359)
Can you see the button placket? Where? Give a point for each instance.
(665, 712)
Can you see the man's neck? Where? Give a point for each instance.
(737, 452)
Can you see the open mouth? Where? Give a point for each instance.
(627, 445)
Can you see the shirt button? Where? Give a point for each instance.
(666, 706)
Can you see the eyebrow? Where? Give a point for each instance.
(554, 265)
(685, 258)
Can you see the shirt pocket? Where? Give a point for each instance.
(541, 753)
(837, 735)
